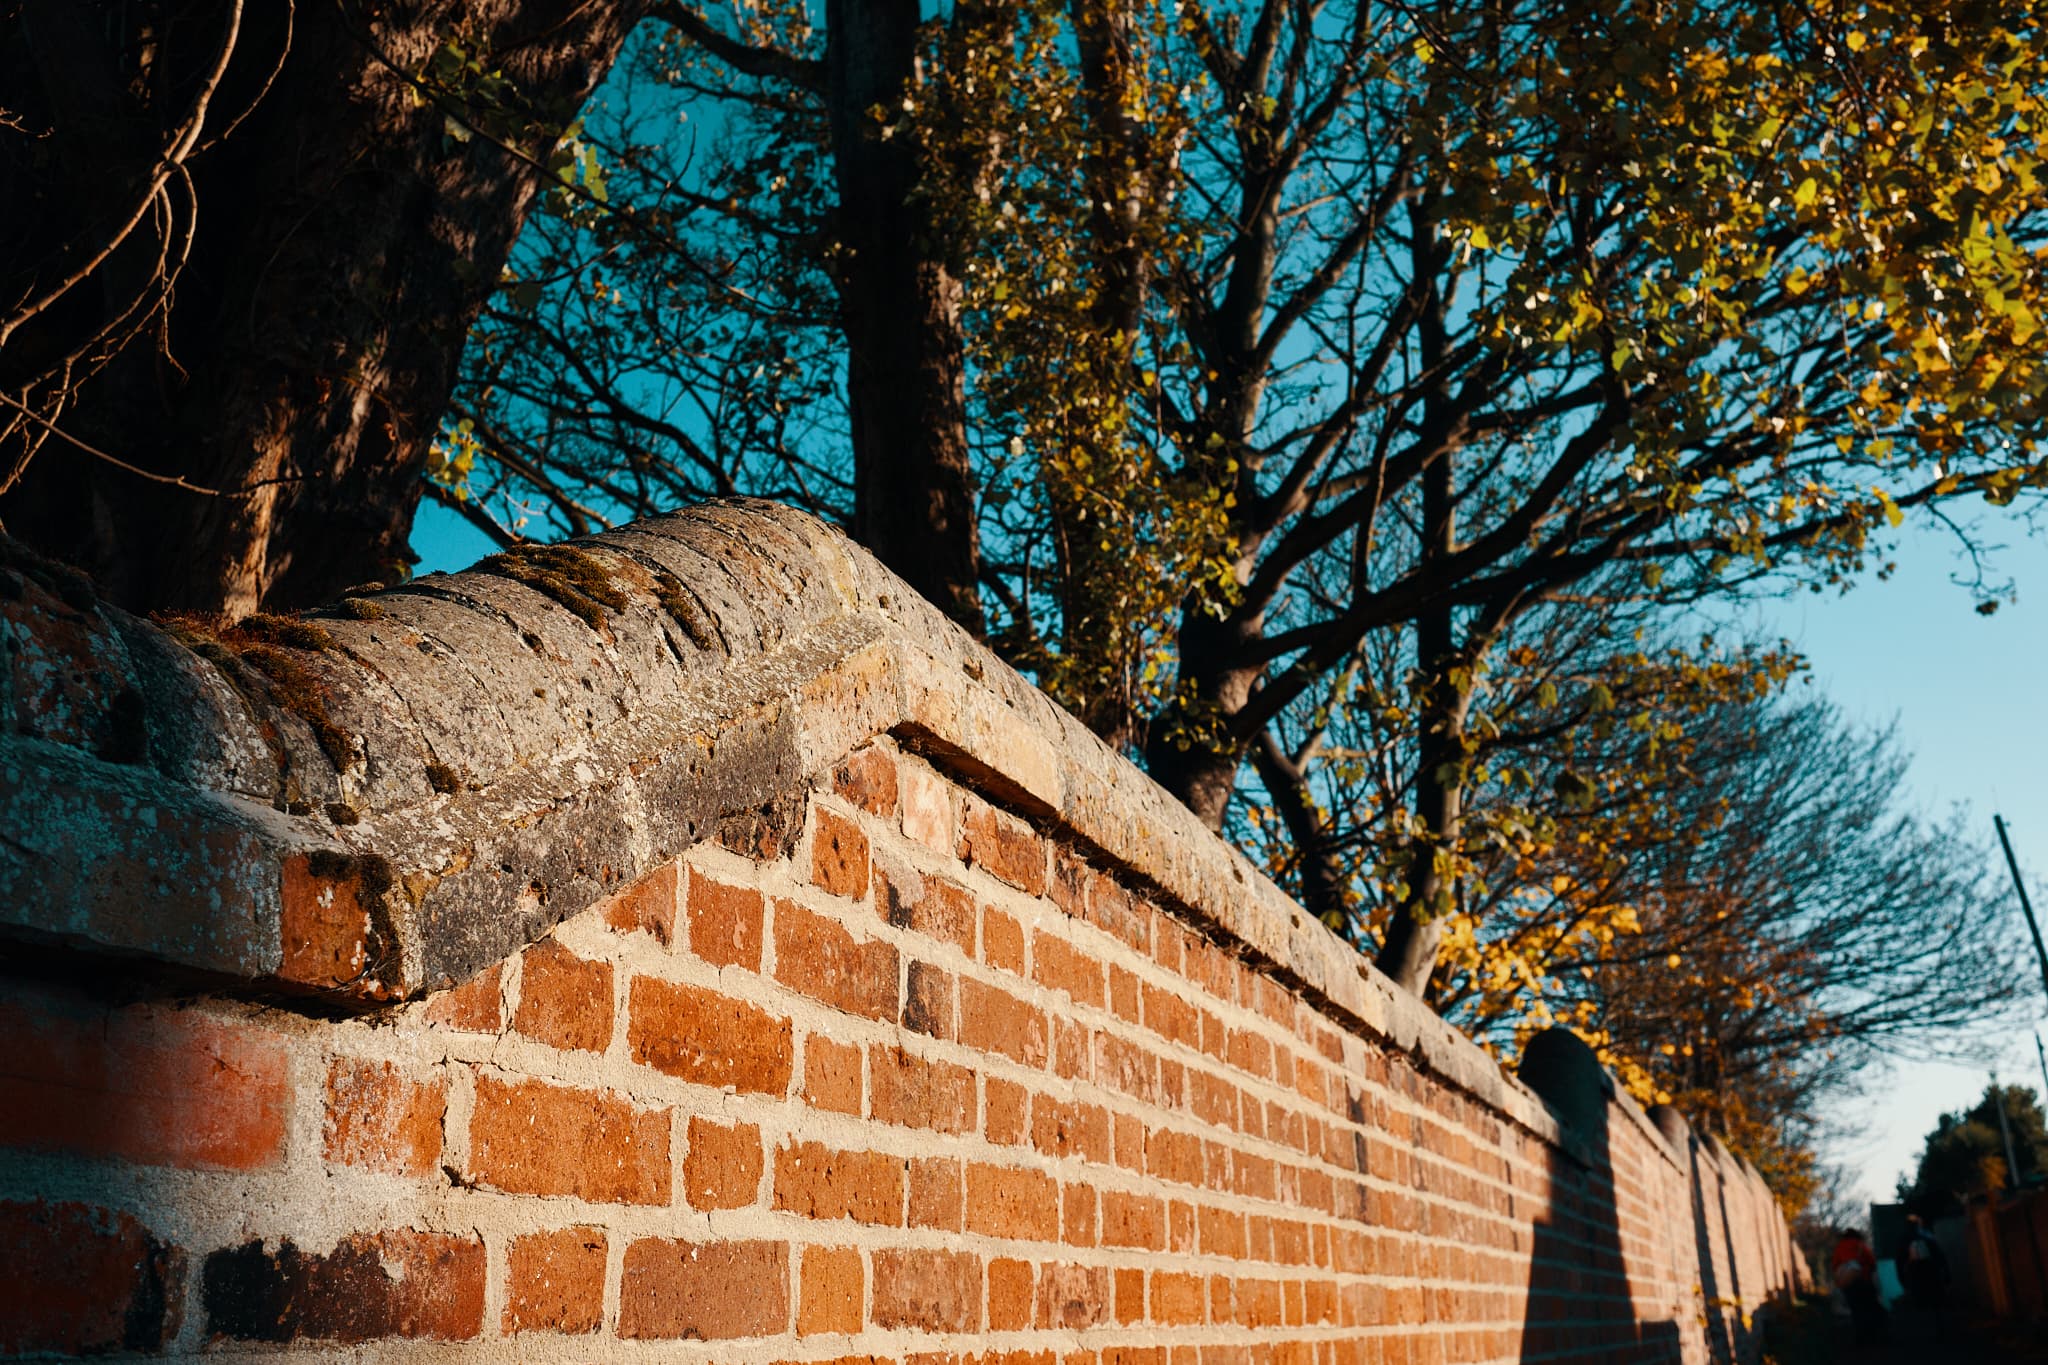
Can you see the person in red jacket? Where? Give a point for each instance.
(1853, 1267)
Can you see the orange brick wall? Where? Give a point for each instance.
(925, 1087)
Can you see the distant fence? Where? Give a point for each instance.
(2004, 1271)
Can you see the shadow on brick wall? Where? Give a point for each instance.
(1582, 1303)
(1720, 1276)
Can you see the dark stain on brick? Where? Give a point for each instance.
(84, 1280)
(928, 1005)
(395, 1284)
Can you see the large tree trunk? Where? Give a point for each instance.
(1414, 933)
(344, 236)
(900, 304)
(1319, 871)
(1191, 748)
(1408, 955)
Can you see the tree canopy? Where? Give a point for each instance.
(1965, 1153)
(1299, 345)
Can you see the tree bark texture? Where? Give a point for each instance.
(1415, 931)
(343, 235)
(900, 305)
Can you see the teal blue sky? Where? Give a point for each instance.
(1962, 690)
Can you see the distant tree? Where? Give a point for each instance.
(1714, 882)
(1965, 1152)
(1833, 1205)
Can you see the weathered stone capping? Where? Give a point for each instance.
(687, 935)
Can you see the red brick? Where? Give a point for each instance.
(1169, 1015)
(819, 957)
(993, 1020)
(1156, 1355)
(554, 1281)
(1058, 965)
(839, 855)
(403, 1283)
(1123, 1065)
(704, 1291)
(708, 1038)
(1070, 1128)
(1004, 1122)
(935, 1198)
(324, 926)
(381, 1120)
(927, 905)
(156, 1086)
(1115, 911)
(1129, 1136)
(831, 1075)
(1174, 1157)
(1133, 1220)
(1221, 1232)
(1002, 941)
(831, 1291)
(476, 1006)
(1009, 1295)
(1273, 1000)
(529, 1137)
(1130, 1295)
(1078, 1223)
(928, 1001)
(1258, 1303)
(1214, 1100)
(919, 1092)
(933, 1291)
(725, 923)
(1180, 1228)
(867, 778)
(1123, 995)
(1168, 939)
(1255, 1177)
(1173, 1084)
(723, 1169)
(927, 803)
(816, 1181)
(1073, 1297)
(1209, 968)
(1012, 1202)
(648, 905)
(1071, 1059)
(1291, 1242)
(564, 1001)
(1309, 1083)
(82, 1281)
(1003, 844)
(1177, 1300)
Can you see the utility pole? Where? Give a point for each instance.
(2012, 1164)
(2012, 863)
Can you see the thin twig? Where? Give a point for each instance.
(171, 480)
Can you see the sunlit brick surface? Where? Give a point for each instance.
(925, 1087)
